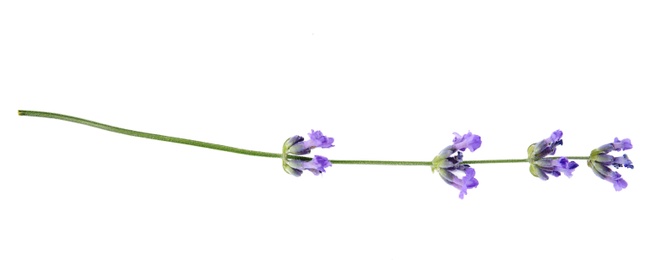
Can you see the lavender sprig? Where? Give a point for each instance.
(449, 162)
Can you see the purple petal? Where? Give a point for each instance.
(548, 145)
(552, 167)
(572, 165)
(322, 161)
(315, 165)
(463, 193)
(317, 139)
(467, 141)
(619, 183)
(318, 163)
(624, 144)
(555, 136)
(565, 166)
(469, 180)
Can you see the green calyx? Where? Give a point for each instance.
(534, 170)
(289, 170)
(591, 159)
(437, 161)
(531, 151)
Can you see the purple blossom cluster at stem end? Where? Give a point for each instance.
(600, 161)
(297, 145)
(449, 161)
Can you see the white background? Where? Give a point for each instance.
(387, 79)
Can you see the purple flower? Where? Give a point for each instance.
(564, 166)
(553, 167)
(316, 165)
(462, 184)
(297, 146)
(619, 183)
(317, 139)
(601, 162)
(541, 166)
(450, 159)
(468, 140)
(546, 146)
(621, 145)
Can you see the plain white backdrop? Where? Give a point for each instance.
(389, 80)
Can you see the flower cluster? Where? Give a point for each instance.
(297, 145)
(600, 161)
(450, 159)
(450, 165)
(540, 166)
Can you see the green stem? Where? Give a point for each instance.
(522, 160)
(424, 163)
(372, 162)
(245, 151)
(148, 135)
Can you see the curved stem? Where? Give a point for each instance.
(246, 151)
(148, 135)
